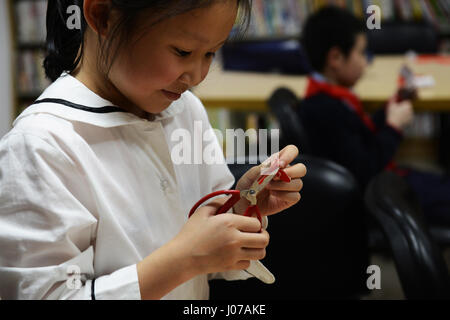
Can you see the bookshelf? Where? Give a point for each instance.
(285, 18)
(28, 42)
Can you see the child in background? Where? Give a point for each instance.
(337, 126)
(87, 183)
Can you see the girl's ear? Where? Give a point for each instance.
(97, 15)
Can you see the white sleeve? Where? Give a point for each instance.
(46, 230)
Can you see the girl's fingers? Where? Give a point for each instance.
(287, 155)
(245, 224)
(253, 254)
(255, 240)
(242, 265)
(294, 186)
(290, 197)
(283, 158)
(296, 171)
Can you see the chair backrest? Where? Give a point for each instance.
(317, 247)
(420, 265)
(282, 104)
(327, 179)
(398, 38)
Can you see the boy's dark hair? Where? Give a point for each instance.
(329, 27)
(65, 47)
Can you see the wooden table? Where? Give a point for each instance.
(250, 91)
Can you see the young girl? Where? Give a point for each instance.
(88, 190)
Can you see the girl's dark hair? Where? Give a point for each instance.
(65, 46)
(330, 27)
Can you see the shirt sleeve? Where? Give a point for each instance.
(47, 230)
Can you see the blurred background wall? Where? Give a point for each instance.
(6, 104)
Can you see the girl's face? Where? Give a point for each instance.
(171, 56)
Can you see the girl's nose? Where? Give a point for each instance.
(195, 74)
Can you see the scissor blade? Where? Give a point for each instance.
(258, 270)
(263, 180)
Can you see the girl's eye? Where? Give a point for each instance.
(182, 53)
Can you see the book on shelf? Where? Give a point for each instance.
(31, 80)
(30, 17)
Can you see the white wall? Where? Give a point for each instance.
(6, 99)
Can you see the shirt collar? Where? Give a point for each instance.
(319, 77)
(71, 89)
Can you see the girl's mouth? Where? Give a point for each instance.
(171, 95)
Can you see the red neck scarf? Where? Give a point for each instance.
(316, 87)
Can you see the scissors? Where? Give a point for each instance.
(257, 269)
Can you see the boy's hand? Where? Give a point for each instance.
(278, 195)
(399, 114)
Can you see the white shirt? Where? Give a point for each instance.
(97, 191)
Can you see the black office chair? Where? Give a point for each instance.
(421, 268)
(318, 247)
(400, 37)
(282, 104)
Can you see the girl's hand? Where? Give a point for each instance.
(217, 243)
(278, 195)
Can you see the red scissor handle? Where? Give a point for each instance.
(235, 197)
(283, 176)
(251, 211)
